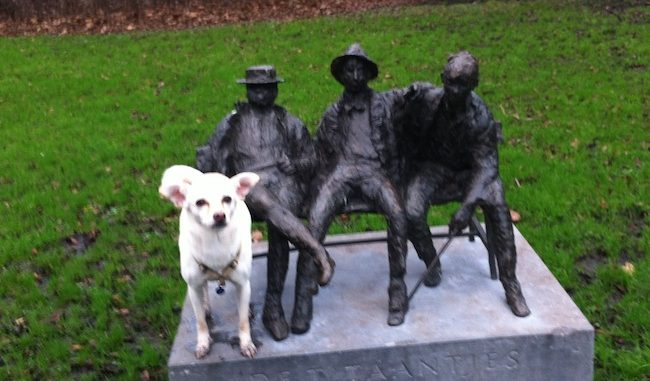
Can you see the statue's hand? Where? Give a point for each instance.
(415, 92)
(460, 220)
(286, 165)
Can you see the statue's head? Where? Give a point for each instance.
(354, 69)
(261, 85)
(460, 76)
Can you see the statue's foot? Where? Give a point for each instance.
(326, 267)
(302, 314)
(434, 277)
(398, 303)
(396, 317)
(275, 323)
(515, 298)
(300, 325)
(517, 304)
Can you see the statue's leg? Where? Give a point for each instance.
(306, 288)
(418, 194)
(297, 233)
(388, 200)
(328, 202)
(501, 238)
(276, 272)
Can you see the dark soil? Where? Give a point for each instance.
(199, 14)
(588, 264)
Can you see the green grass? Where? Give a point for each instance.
(88, 124)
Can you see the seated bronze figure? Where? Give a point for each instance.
(452, 155)
(264, 138)
(357, 152)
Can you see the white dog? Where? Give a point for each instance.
(214, 241)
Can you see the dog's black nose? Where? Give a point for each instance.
(219, 218)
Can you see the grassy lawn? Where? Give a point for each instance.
(88, 124)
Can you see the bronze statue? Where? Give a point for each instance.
(264, 138)
(450, 148)
(357, 150)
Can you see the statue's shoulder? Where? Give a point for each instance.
(285, 116)
(481, 115)
(332, 111)
(232, 119)
(481, 119)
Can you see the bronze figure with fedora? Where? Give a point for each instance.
(262, 137)
(357, 154)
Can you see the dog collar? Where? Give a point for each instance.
(222, 276)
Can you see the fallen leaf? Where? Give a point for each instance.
(628, 267)
(125, 279)
(515, 215)
(257, 236)
(575, 143)
(56, 316)
(20, 322)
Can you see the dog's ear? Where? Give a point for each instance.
(244, 182)
(175, 182)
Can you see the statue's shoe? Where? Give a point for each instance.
(326, 269)
(517, 304)
(434, 277)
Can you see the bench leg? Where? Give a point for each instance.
(476, 226)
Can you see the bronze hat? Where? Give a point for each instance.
(355, 51)
(259, 75)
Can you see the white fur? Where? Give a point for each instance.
(203, 241)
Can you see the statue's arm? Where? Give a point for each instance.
(302, 151)
(485, 167)
(324, 146)
(421, 101)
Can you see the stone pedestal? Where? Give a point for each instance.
(460, 330)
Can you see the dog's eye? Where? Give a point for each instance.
(227, 200)
(201, 203)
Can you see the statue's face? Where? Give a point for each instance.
(457, 87)
(354, 75)
(262, 95)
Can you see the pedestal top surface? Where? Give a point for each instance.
(351, 312)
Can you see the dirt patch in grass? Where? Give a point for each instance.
(80, 242)
(588, 264)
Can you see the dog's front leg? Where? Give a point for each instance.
(246, 344)
(206, 301)
(203, 339)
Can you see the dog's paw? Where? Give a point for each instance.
(202, 350)
(248, 349)
(203, 346)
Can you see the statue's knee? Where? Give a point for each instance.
(414, 215)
